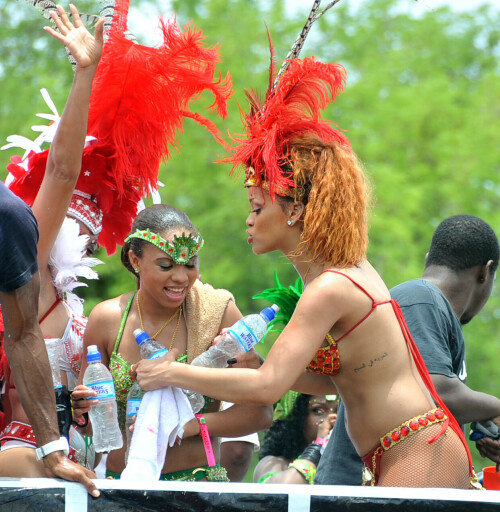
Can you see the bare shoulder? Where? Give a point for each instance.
(339, 293)
(328, 291)
(110, 311)
(231, 315)
(331, 283)
(336, 283)
(103, 325)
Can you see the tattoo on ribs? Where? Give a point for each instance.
(371, 362)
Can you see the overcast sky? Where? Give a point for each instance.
(416, 5)
(145, 21)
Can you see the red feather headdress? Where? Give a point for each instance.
(140, 97)
(96, 181)
(292, 106)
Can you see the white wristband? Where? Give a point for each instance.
(59, 444)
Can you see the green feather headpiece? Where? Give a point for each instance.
(181, 249)
(286, 299)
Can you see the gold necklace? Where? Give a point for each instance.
(176, 328)
(177, 311)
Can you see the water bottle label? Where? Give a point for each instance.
(158, 354)
(133, 406)
(245, 335)
(105, 389)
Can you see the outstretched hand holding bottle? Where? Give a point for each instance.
(149, 349)
(240, 337)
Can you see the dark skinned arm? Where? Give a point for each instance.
(30, 366)
(464, 403)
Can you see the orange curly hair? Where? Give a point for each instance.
(294, 154)
(331, 183)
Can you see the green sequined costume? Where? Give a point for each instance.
(203, 309)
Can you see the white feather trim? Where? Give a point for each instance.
(67, 263)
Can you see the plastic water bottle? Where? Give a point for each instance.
(151, 349)
(63, 400)
(241, 337)
(148, 348)
(106, 432)
(134, 399)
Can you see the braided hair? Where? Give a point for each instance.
(285, 438)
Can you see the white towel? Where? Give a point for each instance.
(160, 420)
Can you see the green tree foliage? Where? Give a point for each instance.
(420, 108)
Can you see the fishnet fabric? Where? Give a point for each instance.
(416, 463)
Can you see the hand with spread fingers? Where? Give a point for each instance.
(59, 466)
(85, 47)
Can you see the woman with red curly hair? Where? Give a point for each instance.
(308, 199)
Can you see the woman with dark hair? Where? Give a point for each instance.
(182, 314)
(294, 443)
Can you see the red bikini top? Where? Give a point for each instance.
(327, 360)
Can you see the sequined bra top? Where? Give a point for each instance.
(120, 370)
(327, 360)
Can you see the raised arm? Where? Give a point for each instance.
(23, 340)
(65, 155)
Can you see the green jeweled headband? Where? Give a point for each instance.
(181, 249)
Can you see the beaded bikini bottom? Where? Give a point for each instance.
(371, 471)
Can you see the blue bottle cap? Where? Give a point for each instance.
(270, 313)
(93, 354)
(141, 337)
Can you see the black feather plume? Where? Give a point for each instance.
(46, 6)
(294, 52)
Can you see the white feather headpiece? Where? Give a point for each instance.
(68, 263)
